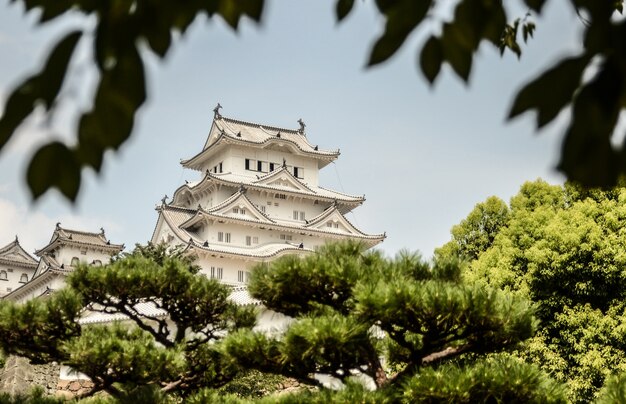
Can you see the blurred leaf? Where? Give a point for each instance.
(587, 155)
(459, 57)
(19, 105)
(536, 5)
(343, 8)
(53, 73)
(54, 166)
(552, 91)
(402, 17)
(232, 11)
(431, 58)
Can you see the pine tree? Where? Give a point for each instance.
(350, 308)
(174, 353)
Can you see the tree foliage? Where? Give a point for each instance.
(588, 156)
(174, 353)
(352, 307)
(563, 247)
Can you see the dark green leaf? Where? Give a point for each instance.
(53, 73)
(402, 18)
(552, 91)
(19, 105)
(54, 166)
(232, 11)
(458, 56)
(431, 58)
(535, 4)
(343, 8)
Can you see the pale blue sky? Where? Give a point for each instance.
(422, 156)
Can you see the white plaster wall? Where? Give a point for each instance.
(65, 254)
(14, 275)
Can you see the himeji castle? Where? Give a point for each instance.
(258, 197)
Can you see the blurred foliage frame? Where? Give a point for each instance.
(123, 28)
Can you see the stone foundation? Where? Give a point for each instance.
(72, 388)
(18, 376)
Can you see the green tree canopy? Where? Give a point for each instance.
(351, 308)
(588, 155)
(564, 248)
(177, 352)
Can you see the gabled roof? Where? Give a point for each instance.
(178, 221)
(14, 254)
(62, 236)
(232, 131)
(333, 215)
(282, 178)
(224, 210)
(279, 180)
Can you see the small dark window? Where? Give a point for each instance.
(271, 166)
(259, 165)
(221, 167)
(295, 172)
(75, 261)
(247, 164)
(97, 263)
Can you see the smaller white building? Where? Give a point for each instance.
(17, 267)
(66, 249)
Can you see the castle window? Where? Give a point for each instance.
(271, 166)
(298, 172)
(227, 237)
(336, 225)
(220, 236)
(247, 277)
(83, 252)
(216, 273)
(3, 276)
(9, 289)
(97, 263)
(235, 210)
(288, 237)
(221, 168)
(255, 240)
(299, 215)
(23, 278)
(302, 216)
(75, 261)
(240, 276)
(9, 269)
(280, 196)
(329, 224)
(248, 240)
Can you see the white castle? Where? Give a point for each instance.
(258, 198)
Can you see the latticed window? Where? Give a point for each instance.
(3, 276)
(24, 278)
(75, 261)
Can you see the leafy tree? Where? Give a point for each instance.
(351, 308)
(476, 233)
(563, 248)
(178, 353)
(587, 156)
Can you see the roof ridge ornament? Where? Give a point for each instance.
(216, 111)
(242, 188)
(284, 162)
(102, 231)
(164, 200)
(302, 126)
(16, 239)
(58, 226)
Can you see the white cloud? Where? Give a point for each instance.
(34, 228)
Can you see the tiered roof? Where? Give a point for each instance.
(280, 180)
(231, 131)
(13, 254)
(62, 236)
